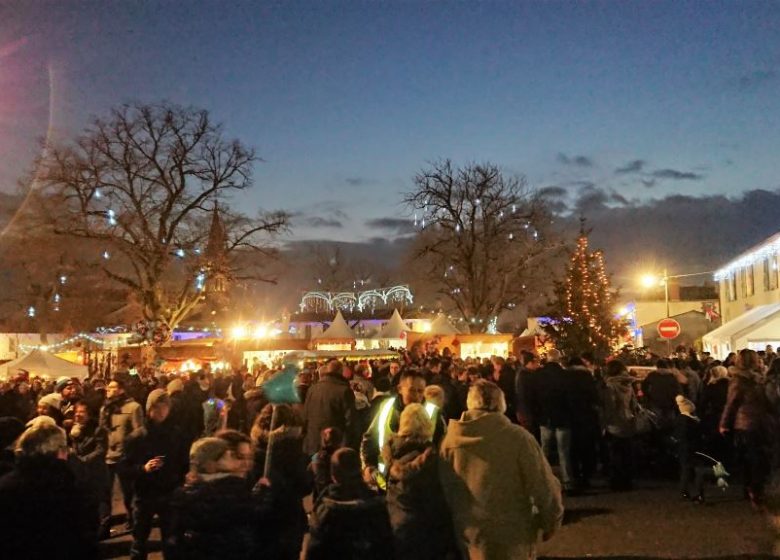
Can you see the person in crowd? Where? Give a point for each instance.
(419, 515)
(214, 514)
(553, 401)
(88, 447)
(10, 430)
(499, 487)
(619, 403)
(587, 427)
(691, 382)
(432, 369)
(524, 394)
(43, 511)
(745, 416)
(331, 440)
(50, 405)
(70, 391)
(713, 401)
(411, 389)
(503, 375)
(156, 460)
(191, 417)
(349, 521)
(288, 477)
(452, 406)
(688, 436)
(243, 451)
(329, 403)
(120, 417)
(660, 389)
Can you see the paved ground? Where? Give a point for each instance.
(646, 524)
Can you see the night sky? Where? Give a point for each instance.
(621, 103)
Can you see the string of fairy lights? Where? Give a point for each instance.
(587, 289)
(62, 344)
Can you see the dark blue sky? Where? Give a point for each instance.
(345, 101)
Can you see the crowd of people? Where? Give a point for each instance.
(427, 456)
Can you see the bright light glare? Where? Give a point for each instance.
(650, 281)
(239, 331)
(426, 327)
(261, 331)
(623, 311)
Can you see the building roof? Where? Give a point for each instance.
(750, 320)
(770, 246)
(216, 246)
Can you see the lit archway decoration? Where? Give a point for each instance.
(317, 301)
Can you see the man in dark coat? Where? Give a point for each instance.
(329, 403)
(661, 388)
(89, 443)
(586, 429)
(157, 460)
(553, 405)
(43, 512)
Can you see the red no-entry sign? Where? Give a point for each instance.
(669, 329)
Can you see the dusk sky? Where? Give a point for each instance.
(345, 101)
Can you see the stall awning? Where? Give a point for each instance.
(742, 325)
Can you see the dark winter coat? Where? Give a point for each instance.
(45, 514)
(157, 440)
(88, 458)
(350, 522)
(506, 381)
(661, 389)
(586, 399)
(121, 417)
(688, 435)
(552, 396)
(620, 405)
(746, 404)
(290, 482)
(713, 401)
(330, 403)
(213, 518)
(419, 514)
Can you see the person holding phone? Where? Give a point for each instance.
(157, 459)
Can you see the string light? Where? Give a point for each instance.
(58, 345)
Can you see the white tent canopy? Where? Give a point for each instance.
(43, 364)
(394, 328)
(442, 326)
(759, 325)
(338, 329)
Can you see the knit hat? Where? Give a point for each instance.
(175, 386)
(39, 421)
(158, 395)
(63, 382)
(53, 400)
(10, 429)
(205, 450)
(686, 407)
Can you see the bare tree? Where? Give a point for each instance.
(482, 237)
(143, 184)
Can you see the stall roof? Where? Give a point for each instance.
(746, 322)
(394, 328)
(442, 326)
(338, 330)
(43, 364)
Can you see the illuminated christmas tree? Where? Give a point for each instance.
(582, 318)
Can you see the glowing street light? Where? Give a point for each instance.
(238, 332)
(261, 331)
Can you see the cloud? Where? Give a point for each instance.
(590, 198)
(619, 198)
(677, 175)
(358, 181)
(756, 79)
(397, 225)
(320, 222)
(577, 161)
(634, 166)
(648, 183)
(553, 192)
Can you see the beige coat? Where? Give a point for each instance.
(500, 488)
(120, 420)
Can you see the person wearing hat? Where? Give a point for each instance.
(69, 389)
(156, 460)
(51, 405)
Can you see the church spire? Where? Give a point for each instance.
(217, 243)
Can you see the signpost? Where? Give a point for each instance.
(669, 328)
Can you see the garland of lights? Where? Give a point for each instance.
(587, 290)
(62, 344)
(768, 250)
(315, 300)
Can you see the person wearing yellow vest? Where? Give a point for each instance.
(411, 389)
